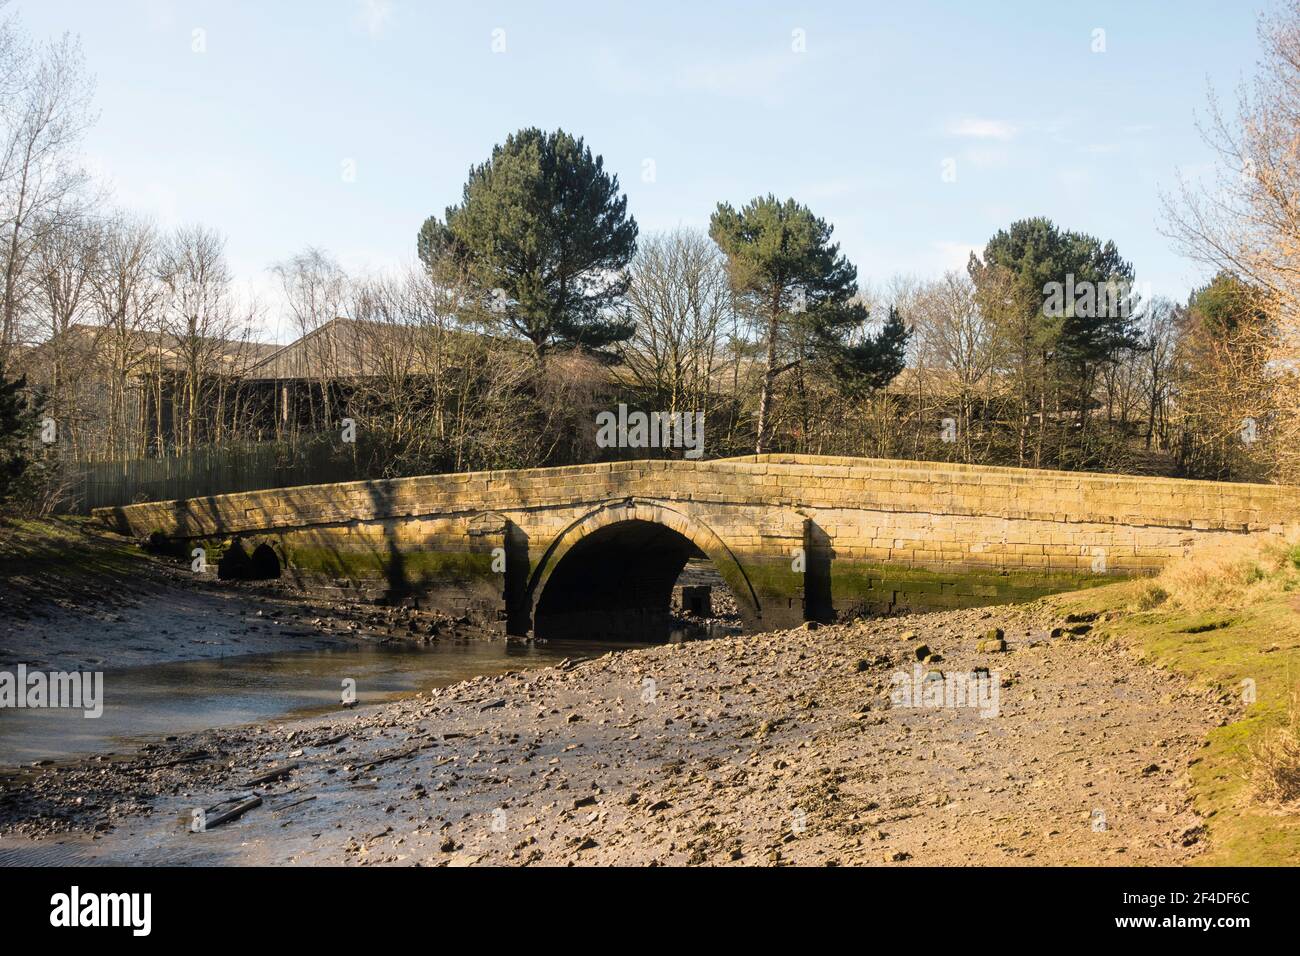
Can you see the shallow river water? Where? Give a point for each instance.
(142, 703)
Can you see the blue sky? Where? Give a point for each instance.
(251, 135)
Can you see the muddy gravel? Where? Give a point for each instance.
(165, 615)
(796, 747)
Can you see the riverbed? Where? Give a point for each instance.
(163, 700)
(181, 653)
(787, 747)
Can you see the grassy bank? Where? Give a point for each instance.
(49, 554)
(1229, 618)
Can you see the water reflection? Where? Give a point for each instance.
(183, 697)
(141, 703)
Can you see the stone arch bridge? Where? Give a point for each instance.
(596, 549)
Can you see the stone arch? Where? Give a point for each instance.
(639, 523)
(265, 563)
(252, 559)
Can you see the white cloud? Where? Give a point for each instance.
(373, 16)
(972, 127)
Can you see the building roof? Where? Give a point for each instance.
(86, 344)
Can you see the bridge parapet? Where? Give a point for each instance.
(810, 535)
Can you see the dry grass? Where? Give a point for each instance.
(1234, 573)
(1275, 760)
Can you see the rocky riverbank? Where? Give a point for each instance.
(76, 598)
(924, 739)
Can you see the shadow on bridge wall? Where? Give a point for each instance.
(394, 563)
(818, 602)
(519, 618)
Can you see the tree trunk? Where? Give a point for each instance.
(769, 376)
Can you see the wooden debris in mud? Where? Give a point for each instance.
(184, 758)
(271, 775)
(400, 754)
(238, 810)
(294, 803)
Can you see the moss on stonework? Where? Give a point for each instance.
(886, 586)
(768, 576)
(414, 568)
(880, 587)
(214, 549)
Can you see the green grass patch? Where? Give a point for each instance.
(69, 547)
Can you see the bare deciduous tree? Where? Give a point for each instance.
(681, 301)
(63, 266)
(1247, 221)
(127, 299)
(315, 288)
(44, 110)
(207, 332)
(957, 341)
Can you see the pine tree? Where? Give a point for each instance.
(786, 271)
(543, 237)
(1074, 311)
(17, 429)
(873, 361)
